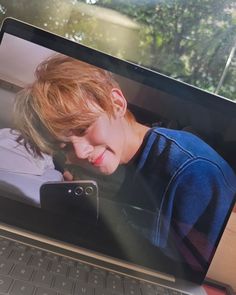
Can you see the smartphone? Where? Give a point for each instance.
(76, 200)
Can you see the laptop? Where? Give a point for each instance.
(49, 249)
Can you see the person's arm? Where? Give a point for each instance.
(195, 207)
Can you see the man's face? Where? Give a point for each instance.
(103, 145)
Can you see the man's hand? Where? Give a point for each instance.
(68, 176)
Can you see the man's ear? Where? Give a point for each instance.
(119, 102)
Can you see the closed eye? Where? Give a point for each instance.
(81, 131)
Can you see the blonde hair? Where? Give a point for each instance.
(63, 97)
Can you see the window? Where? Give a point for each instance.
(191, 40)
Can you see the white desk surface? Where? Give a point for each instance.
(223, 267)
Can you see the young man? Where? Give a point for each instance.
(184, 184)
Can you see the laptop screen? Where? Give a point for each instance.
(110, 156)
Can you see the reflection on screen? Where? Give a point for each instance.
(156, 173)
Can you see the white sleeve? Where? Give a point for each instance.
(25, 188)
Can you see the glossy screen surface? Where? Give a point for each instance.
(165, 208)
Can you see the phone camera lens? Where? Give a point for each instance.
(89, 190)
(79, 191)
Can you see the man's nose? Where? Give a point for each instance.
(82, 149)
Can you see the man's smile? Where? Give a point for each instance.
(97, 161)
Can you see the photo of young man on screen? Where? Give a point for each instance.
(80, 110)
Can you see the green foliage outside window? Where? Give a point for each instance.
(191, 40)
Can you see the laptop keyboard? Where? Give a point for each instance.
(26, 270)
